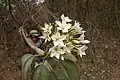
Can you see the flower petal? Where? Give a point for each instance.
(62, 16)
(57, 55)
(65, 18)
(85, 41)
(58, 23)
(63, 37)
(61, 52)
(83, 48)
(61, 43)
(82, 53)
(62, 57)
(81, 38)
(52, 54)
(59, 28)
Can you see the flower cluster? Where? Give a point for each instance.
(66, 39)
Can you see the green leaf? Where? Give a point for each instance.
(27, 60)
(70, 57)
(61, 70)
(47, 65)
(61, 75)
(58, 70)
(71, 69)
(41, 73)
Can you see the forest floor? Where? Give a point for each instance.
(102, 61)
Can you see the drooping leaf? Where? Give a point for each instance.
(27, 60)
(58, 70)
(71, 69)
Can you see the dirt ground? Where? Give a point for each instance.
(102, 61)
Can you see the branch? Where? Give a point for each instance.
(30, 42)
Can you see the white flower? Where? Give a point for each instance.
(57, 52)
(78, 28)
(64, 26)
(76, 41)
(81, 38)
(58, 39)
(47, 28)
(81, 50)
(66, 19)
(77, 25)
(46, 36)
(67, 49)
(46, 32)
(70, 45)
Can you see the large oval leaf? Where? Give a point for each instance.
(60, 75)
(41, 73)
(72, 70)
(58, 70)
(27, 60)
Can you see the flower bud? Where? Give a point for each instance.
(76, 41)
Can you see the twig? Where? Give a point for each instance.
(30, 42)
(116, 13)
(11, 13)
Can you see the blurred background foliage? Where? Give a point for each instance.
(100, 13)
